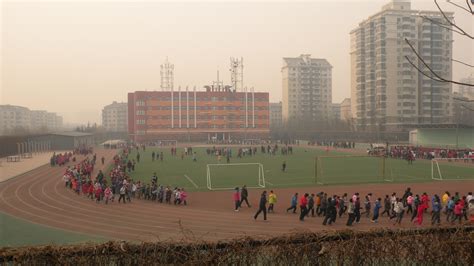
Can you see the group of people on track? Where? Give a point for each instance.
(455, 208)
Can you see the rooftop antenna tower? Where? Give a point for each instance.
(237, 73)
(167, 76)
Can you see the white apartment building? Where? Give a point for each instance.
(14, 118)
(275, 115)
(387, 93)
(115, 117)
(307, 89)
(41, 119)
(467, 91)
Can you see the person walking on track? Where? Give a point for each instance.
(262, 206)
(244, 195)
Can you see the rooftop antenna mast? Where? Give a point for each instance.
(167, 76)
(237, 73)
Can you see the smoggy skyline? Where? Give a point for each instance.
(73, 58)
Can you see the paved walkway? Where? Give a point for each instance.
(11, 169)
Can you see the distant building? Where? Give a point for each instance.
(14, 118)
(467, 91)
(335, 111)
(307, 89)
(218, 113)
(275, 115)
(346, 114)
(18, 119)
(115, 117)
(387, 93)
(463, 115)
(43, 120)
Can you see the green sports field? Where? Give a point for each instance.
(18, 232)
(300, 171)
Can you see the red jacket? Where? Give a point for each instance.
(303, 201)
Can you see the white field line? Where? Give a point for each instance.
(190, 180)
(269, 183)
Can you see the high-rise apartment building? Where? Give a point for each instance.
(307, 89)
(115, 117)
(387, 93)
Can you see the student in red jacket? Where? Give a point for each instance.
(458, 211)
(303, 206)
(236, 196)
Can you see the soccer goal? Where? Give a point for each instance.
(251, 141)
(167, 143)
(350, 169)
(449, 169)
(231, 175)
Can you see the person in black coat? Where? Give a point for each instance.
(262, 206)
(244, 195)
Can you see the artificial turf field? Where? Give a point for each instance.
(301, 167)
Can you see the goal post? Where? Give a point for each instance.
(231, 175)
(451, 169)
(435, 170)
(351, 169)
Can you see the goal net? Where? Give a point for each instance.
(350, 169)
(231, 175)
(451, 169)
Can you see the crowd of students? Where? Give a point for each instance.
(402, 152)
(455, 208)
(334, 144)
(79, 179)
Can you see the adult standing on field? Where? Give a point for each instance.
(262, 206)
(244, 195)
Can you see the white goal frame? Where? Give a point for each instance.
(170, 141)
(261, 175)
(435, 168)
(251, 141)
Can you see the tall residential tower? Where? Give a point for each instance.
(387, 93)
(307, 89)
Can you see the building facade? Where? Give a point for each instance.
(14, 118)
(275, 115)
(307, 89)
(217, 113)
(335, 113)
(387, 93)
(467, 91)
(115, 117)
(346, 113)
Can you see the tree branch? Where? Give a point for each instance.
(466, 64)
(442, 25)
(452, 23)
(436, 77)
(461, 7)
(468, 108)
(463, 100)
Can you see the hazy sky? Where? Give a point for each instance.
(74, 57)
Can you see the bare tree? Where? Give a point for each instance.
(451, 25)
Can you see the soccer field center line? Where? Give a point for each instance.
(190, 180)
